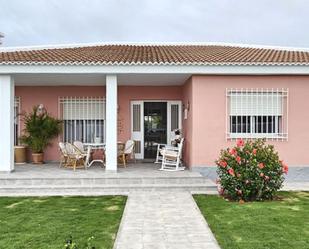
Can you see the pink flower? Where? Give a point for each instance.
(240, 143)
(233, 152)
(238, 159)
(261, 165)
(247, 181)
(223, 164)
(254, 151)
(266, 178)
(238, 175)
(231, 172)
(261, 174)
(285, 168)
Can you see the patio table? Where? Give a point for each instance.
(96, 146)
(101, 146)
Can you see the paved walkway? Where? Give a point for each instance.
(163, 220)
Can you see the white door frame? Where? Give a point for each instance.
(139, 136)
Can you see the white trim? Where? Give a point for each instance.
(109, 63)
(17, 110)
(169, 118)
(7, 122)
(138, 135)
(275, 137)
(217, 69)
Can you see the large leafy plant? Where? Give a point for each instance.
(40, 129)
(250, 171)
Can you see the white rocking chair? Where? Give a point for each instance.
(171, 157)
(161, 147)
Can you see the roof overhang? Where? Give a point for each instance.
(94, 79)
(158, 69)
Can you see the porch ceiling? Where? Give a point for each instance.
(99, 79)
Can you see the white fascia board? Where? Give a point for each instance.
(158, 69)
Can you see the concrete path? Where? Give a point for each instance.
(163, 220)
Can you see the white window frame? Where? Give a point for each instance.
(255, 98)
(17, 108)
(85, 116)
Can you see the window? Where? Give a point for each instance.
(16, 120)
(257, 113)
(83, 119)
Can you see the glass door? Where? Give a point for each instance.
(155, 127)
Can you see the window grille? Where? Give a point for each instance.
(83, 119)
(257, 113)
(16, 120)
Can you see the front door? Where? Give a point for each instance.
(153, 122)
(155, 127)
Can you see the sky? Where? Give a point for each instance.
(261, 22)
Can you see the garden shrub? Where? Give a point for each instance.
(250, 171)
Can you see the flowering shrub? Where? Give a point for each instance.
(250, 171)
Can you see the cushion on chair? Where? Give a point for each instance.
(169, 153)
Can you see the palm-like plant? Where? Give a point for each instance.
(40, 129)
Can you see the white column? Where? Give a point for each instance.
(7, 123)
(111, 122)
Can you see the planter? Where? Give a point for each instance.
(20, 154)
(37, 158)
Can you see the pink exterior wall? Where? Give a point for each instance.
(129, 93)
(48, 95)
(208, 110)
(204, 129)
(188, 123)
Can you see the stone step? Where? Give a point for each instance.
(55, 190)
(101, 181)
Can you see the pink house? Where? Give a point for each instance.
(213, 93)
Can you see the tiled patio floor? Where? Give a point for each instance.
(132, 170)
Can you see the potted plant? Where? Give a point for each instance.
(40, 129)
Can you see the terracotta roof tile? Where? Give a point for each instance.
(157, 54)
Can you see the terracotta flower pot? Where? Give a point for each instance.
(20, 154)
(37, 158)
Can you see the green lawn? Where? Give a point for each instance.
(272, 224)
(47, 222)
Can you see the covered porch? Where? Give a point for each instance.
(123, 97)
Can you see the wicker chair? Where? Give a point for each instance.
(128, 150)
(72, 157)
